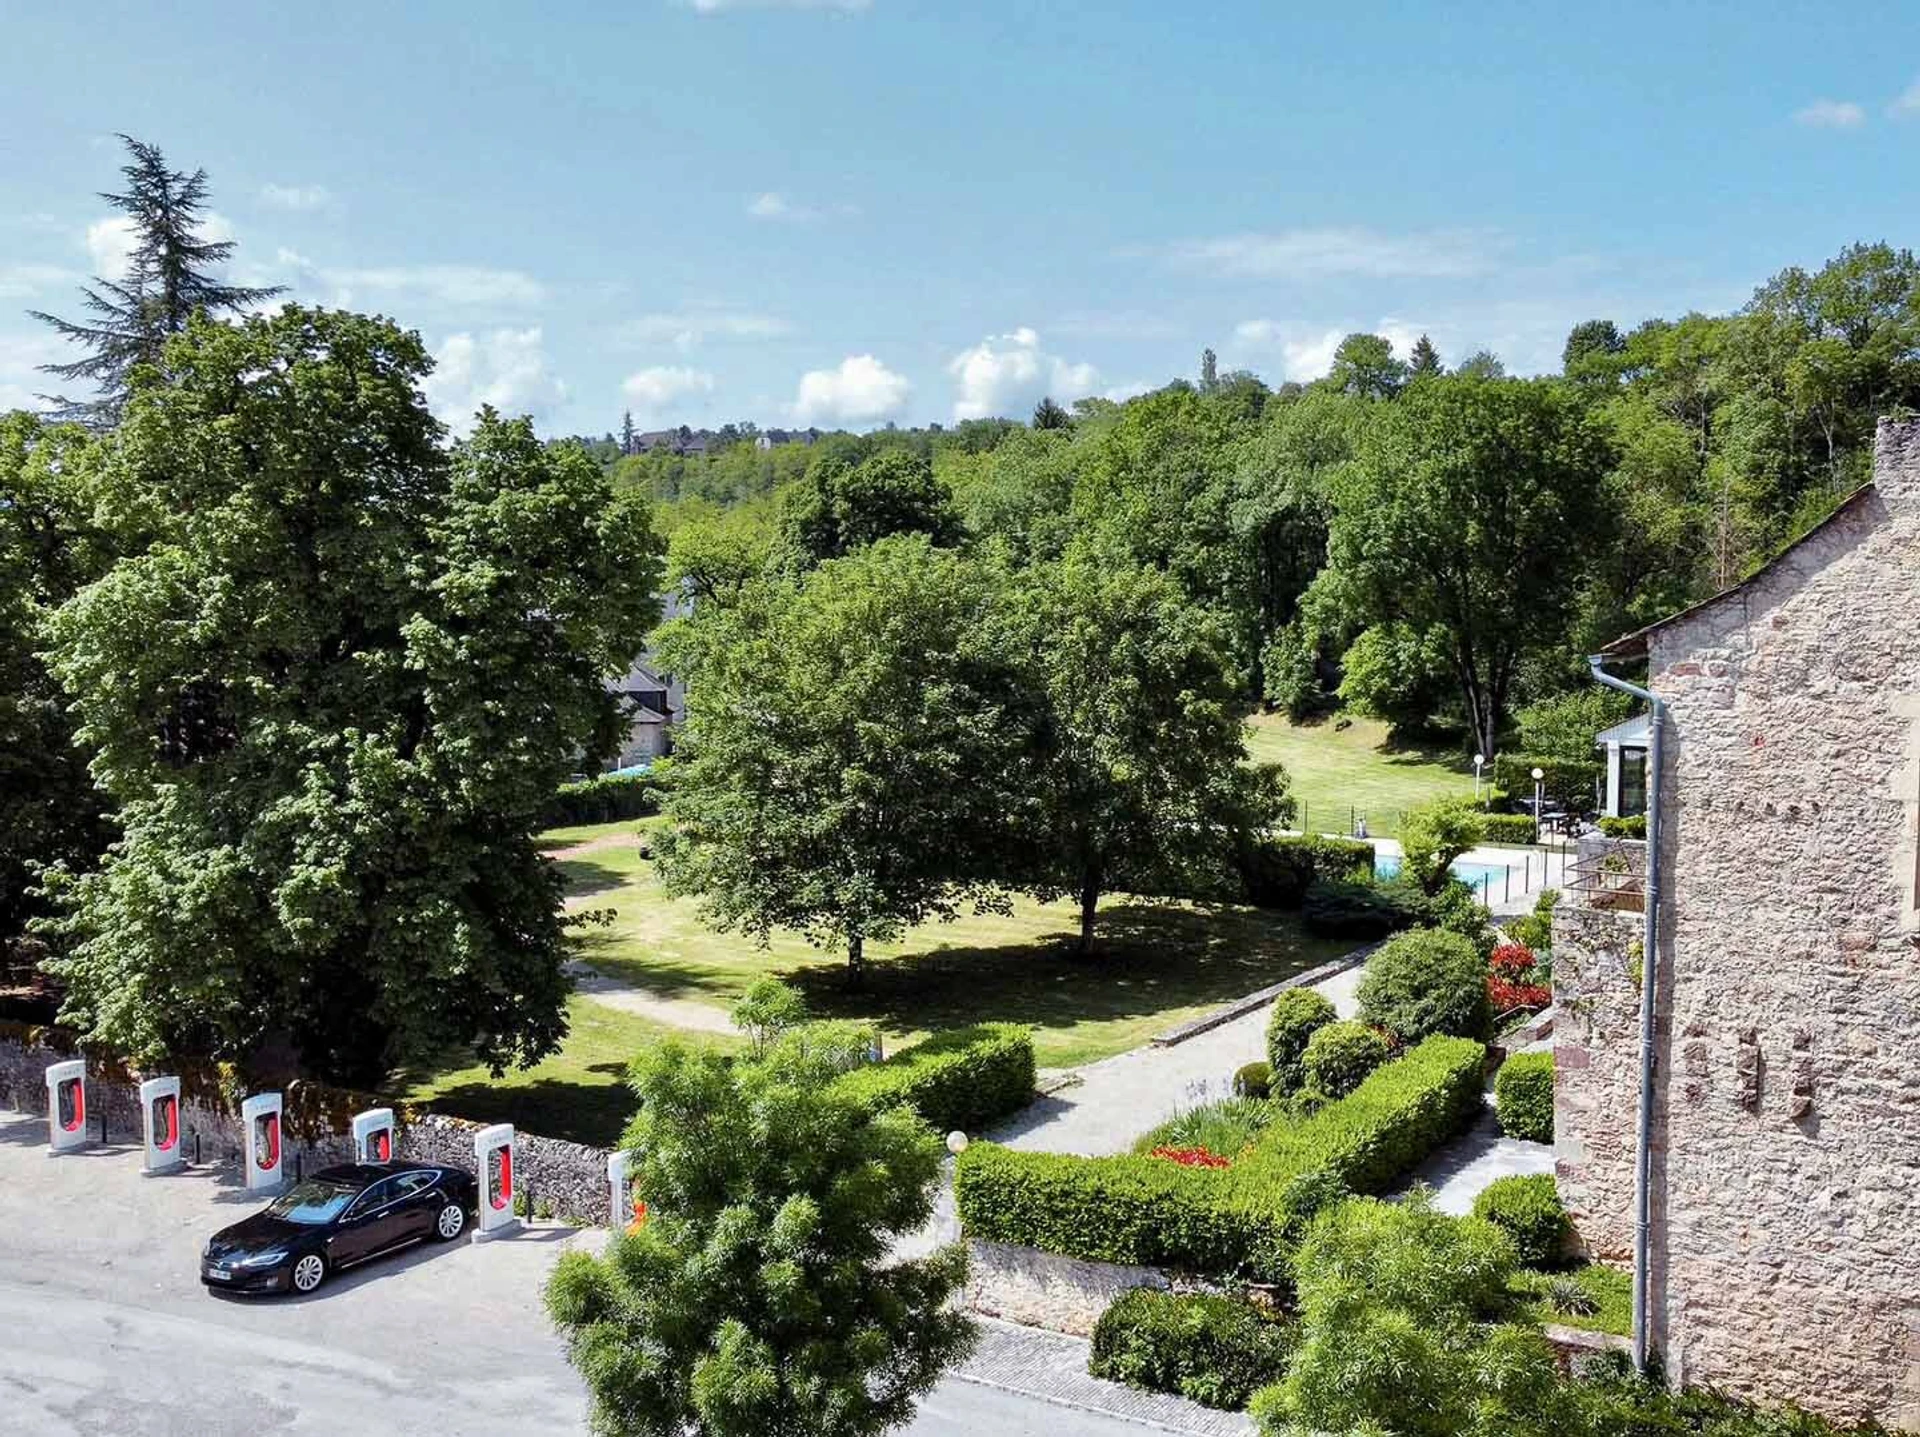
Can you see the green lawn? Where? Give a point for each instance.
(578, 1093)
(1337, 772)
(1610, 1289)
(1163, 962)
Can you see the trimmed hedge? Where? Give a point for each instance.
(1565, 781)
(964, 1079)
(1253, 1080)
(1208, 1349)
(611, 798)
(1511, 828)
(1426, 982)
(1237, 1221)
(1335, 909)
(1277, 872)
(1523, 1097)
(1631, 827)
(1297, 1015)
(1528, 1210)
(1339, 1057)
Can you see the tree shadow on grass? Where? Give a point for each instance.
(584, 877)
(583, 1112)
(1152, 958)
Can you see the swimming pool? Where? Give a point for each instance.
(1483, 878)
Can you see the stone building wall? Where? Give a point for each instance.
(1787, 1138)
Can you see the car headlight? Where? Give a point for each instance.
(262, 1259)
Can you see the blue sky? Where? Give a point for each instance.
(851, 211)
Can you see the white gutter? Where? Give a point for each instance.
(1649, 972)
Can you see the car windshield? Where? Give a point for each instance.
(312, 1202)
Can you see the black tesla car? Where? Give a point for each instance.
(336, 1218)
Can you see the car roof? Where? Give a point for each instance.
(367, 1174)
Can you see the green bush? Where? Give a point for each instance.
(1536, 928)
(1426, 982)
(1566, 783)
(1433, 835)
(1277, 872)
(1213, 1350)
(1458, 909)
(1634, 827)
(1297, 1015)
(1253, 1080)
(1523, 1097)
(608, 799)
(1510, 828)
(1339, 1057)
(964, 1079)
(1527, 1209)
(1364, 911)
(1240, 1220)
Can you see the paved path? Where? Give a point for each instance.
(1459, 1172)
(629, 998)
(1119, 1098)
(1053, 1367)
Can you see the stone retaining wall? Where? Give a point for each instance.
(567, 1179)
(1062, 1294)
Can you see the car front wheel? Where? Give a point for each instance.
(308, 1273)
(451, 1222)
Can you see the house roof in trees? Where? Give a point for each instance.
(1634, 645)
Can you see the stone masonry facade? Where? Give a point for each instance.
(1786, 1156)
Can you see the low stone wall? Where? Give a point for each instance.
(569, 1180)
(1063, 1294)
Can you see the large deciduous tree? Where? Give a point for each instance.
(846, 748)
(758, 1298)
(842, 505)
(1473, 506)
(333, 684)
(50, 812)
(1144, 783)
(172, 274)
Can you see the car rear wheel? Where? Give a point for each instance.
(308, 1273)
(451, 1222)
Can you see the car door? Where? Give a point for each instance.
(416, 1203)
(370, 1223)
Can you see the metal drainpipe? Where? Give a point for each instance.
(1649, 970)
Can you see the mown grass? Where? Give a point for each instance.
(1609, 1287)
(1339, 772)
(1161, 962)
(579, 1093)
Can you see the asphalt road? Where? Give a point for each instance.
(105, 1329)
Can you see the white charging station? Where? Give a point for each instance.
(160, 1125)
(260, 1117)
(493, 1163)
(66, 1105)
(373, 1136)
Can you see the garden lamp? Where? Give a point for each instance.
(1538, 775)
(1479, 762)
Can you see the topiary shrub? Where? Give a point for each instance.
(1253, 1080)
(1339, 1057)
(1297, 1015)
(1523, 1097)
(1208, 1349)
(1426, 982)
(1528, 1210)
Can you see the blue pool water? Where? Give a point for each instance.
(1481, 877)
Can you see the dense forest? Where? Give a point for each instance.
(1437, 546)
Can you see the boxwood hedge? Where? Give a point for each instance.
(1277, 872)
(1211, 1349)
(1523, 1097)
(963, 1079)
(1239, 1221)
(610, 798)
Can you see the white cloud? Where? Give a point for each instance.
(1007, 374)
(656, 390)
(21, 355)
(506, 368)
(1908, 103)
(24, 279)
(775, 206)
(861, 391)
(714, 7)
(686, 328)
(296, 197)
(458, 285)
(1319, 253)
(1306, 351)
(110, 241)
(1831, 115)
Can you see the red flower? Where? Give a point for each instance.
(1508, 995)
(1192, 1157)
(1512, 960)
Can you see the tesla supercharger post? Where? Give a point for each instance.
(260, 1116)
(619, 1189)
(373, 1136)
(493, 1162)
(66, 1105)
(160, 1121)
